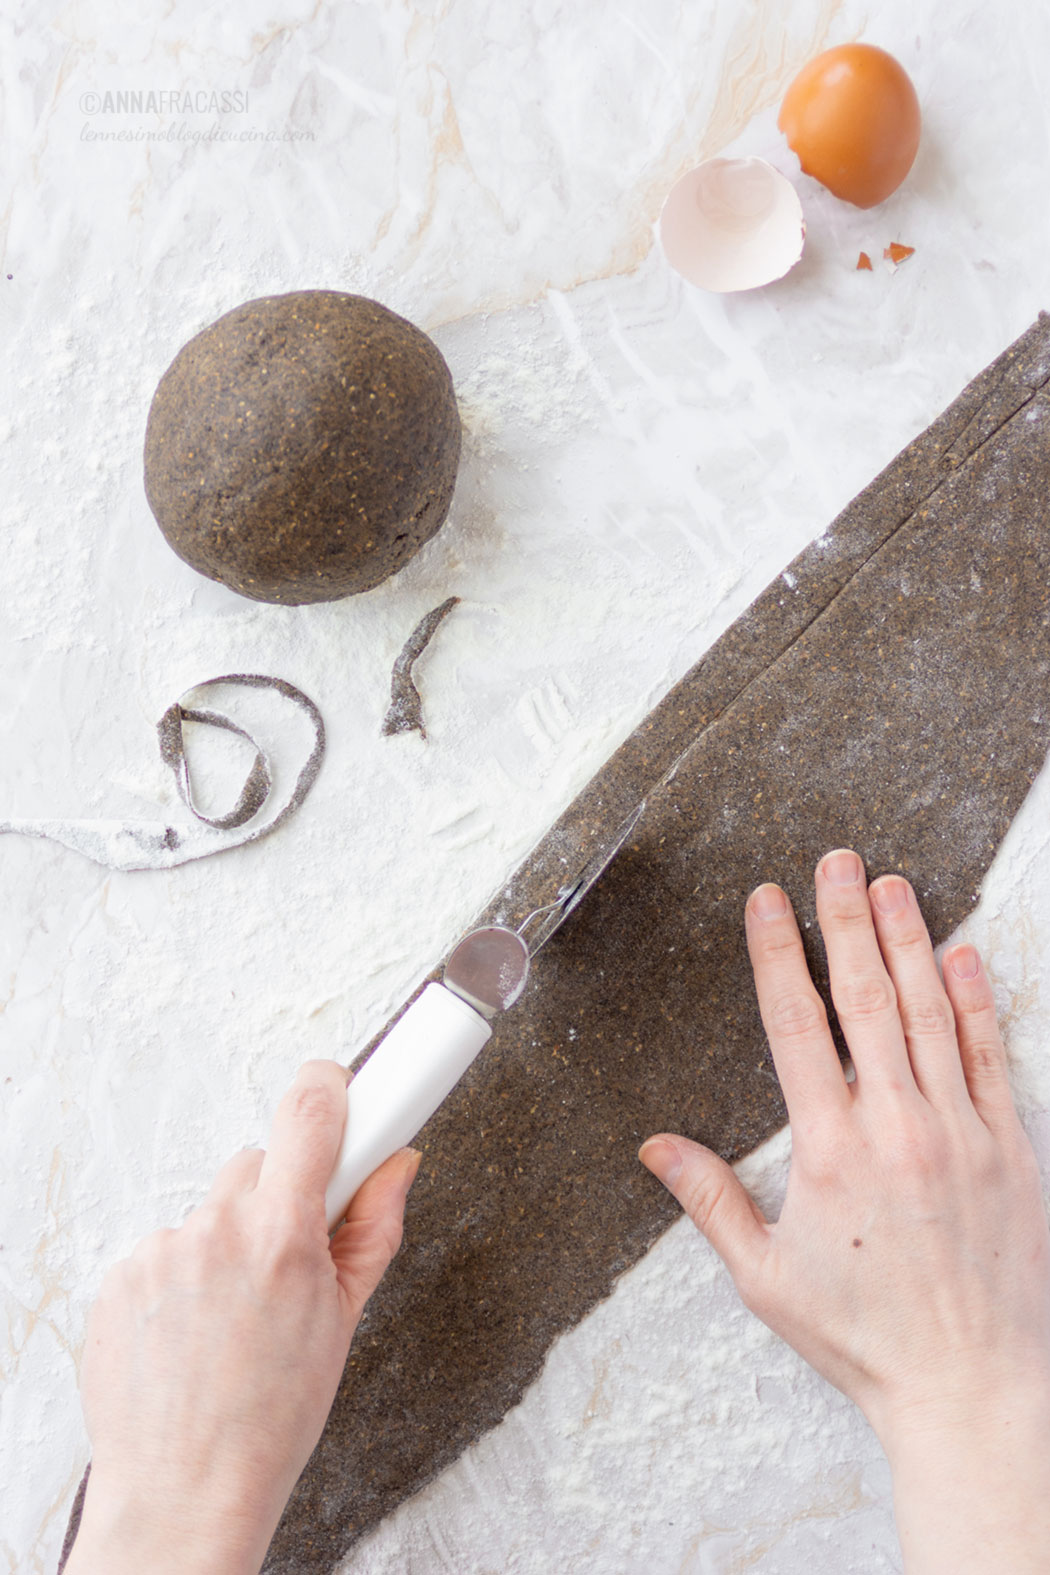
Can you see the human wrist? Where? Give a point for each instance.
(959, 1412)
(124, 1532)
(971, 1479)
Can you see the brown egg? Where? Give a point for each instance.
(852, 117)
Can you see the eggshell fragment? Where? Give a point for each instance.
(732, 224)
(864, 261)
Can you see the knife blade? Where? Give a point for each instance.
(542, 923)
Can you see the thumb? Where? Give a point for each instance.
(714, 1199)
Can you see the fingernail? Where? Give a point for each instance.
(965, 962)
(890, 896)
(662, 1158)
(841, 868)
(411, 1171)
(769, 902)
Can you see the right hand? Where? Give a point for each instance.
(910, 1264)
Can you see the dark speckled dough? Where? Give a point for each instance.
(303, 447)
(888, 692)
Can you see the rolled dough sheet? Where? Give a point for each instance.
(888, 691)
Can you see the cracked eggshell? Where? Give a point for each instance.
(732, 224)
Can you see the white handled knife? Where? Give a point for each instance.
(431, 1045)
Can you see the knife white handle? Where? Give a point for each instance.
(400, 1086)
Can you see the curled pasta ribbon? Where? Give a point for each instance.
(151, 845)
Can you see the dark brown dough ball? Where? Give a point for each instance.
(303, 447)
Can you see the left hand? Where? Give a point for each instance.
(214, 1352)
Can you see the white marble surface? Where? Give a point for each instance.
(640, 460)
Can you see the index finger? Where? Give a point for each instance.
(793, 1013)
(306, 1131)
